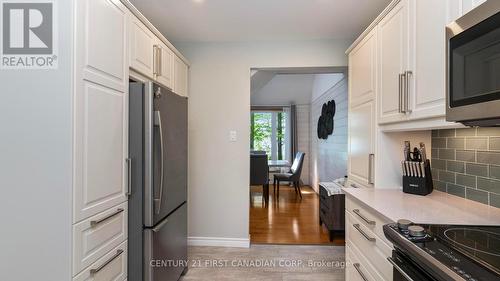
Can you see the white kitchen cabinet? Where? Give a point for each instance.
(393, 51)
(164, 65)
(428, 81)
(362, 127)
(181, 77)
(362, 70)
(100, 107)
(468, 5)
(97, 235)
(111, 267)
(142, 47)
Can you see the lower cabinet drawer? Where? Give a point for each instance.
(374, 249)
(96, 236)
(367, 217)
(357, 269)
(111, 267)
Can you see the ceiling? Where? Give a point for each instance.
(259, 20)
(284, 89)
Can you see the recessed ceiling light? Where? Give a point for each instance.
(198, 1)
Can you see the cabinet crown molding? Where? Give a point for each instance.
(153, 29)
(372, 25)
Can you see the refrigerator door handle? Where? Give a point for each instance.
(159, 227)
(157, 122)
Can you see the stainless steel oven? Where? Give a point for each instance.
(473, 59)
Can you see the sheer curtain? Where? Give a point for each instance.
(291, 132)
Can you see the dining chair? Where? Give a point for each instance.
(259, 173)
(292, 176)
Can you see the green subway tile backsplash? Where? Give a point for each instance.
(466, 163)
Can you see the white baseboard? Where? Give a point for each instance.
(219, 242)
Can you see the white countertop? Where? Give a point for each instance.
(435, 208)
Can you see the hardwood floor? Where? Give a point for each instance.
(311, 263)
(289, 220)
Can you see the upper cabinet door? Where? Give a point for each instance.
(361, 142)
(363, 70)
(142, 46)
(181, 77)
(100, 107)
(428, 91)
(393, 39)
(164, 63)
(468, 5)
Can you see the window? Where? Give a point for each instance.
(268, 133)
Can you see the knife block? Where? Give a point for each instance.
(419, 185)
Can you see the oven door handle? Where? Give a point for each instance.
(399, 269)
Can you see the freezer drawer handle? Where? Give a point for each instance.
(94, 223)
(396, 266)
(368, 221)
(358, 269)
(96, 270)
(358, 228)
(158, 227)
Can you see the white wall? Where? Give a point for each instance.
(219, 102)
(35, 166)
(328, 159)
(285, 89)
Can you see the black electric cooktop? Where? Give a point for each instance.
(469, 253)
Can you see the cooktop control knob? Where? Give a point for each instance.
(403, 224)
(416, 231)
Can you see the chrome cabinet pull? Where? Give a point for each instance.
(160, 63)
(400, 105)
(358, 269)
(371, 156)
(368, 221)
(396, 266)
(129, 176)
(354, 185)
(358, 228)
(155, 60)
(94, 223)
(157, 122)
(407, 76)
(96, 270)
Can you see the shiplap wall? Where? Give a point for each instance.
(328, 158)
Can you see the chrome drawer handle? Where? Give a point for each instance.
(94, 223)
(96, 270)
(358, 269)
(368, 221)
(371, 239)
(354, 185)
(396, 266)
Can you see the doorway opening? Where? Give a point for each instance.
(298, 139)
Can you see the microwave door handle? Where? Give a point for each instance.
(157, 120)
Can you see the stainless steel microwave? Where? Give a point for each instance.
(473, 67)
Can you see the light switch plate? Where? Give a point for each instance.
(233, 136)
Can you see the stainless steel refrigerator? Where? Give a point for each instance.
(157, 240)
